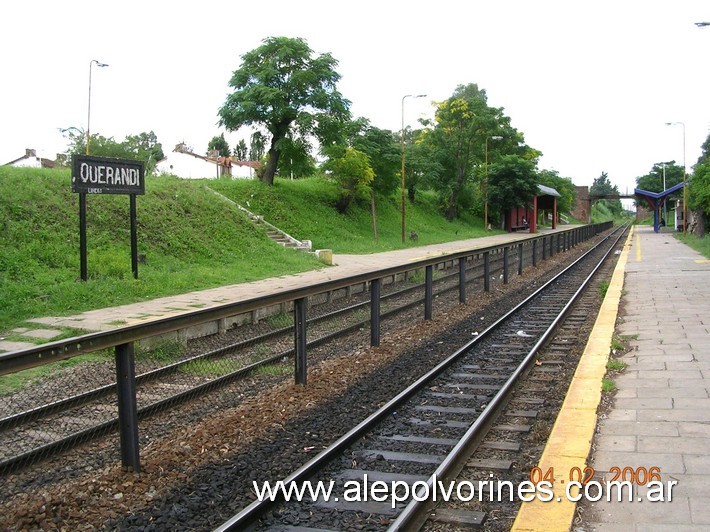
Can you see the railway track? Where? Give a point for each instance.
(429, 431)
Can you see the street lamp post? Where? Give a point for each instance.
(402, 141)
(685, 182)
(88, 116)
(485, 183)
(665, 202)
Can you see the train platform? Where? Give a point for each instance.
(658, 425)
(144, 311)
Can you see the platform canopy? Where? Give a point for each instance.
(656, 199)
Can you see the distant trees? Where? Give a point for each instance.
(281, 86)
(241, 151)
(141, 147)
(220, 144)
(602, 187)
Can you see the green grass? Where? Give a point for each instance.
(701, 245)
(603, 288)
(274, 370)
(616, 365)
(608, 385)
(617, 343)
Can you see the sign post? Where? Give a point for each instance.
(103, 175)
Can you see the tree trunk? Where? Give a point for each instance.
(271, 165)
(451, 209)
(411, 191)
(698, 223)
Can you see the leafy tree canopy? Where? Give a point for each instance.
(513, 181)
(382, 149)
(653, 181)
(354, 175)
(141, 147)
(220, 144)
(281, 86)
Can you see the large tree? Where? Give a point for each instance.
(283, 87)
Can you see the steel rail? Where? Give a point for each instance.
(256, 509)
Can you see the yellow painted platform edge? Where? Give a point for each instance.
(571, 436)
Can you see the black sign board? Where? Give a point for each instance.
(104, 175)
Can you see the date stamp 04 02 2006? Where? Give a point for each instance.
(583, 478)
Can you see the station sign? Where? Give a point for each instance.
(105, 175)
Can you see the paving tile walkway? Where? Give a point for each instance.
(661, 415)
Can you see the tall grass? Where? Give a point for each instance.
(701, 245)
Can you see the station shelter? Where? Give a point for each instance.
(656, 200)
(525, 218)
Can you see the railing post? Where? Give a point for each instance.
(127, 406)
(534, 252)
(375, 291)
(462, 280)
(505, 264)
(299, 319)
(486, 272)
(520, 258)
(428, 291)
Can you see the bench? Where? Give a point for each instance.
(519, 227)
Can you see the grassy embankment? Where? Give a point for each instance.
(190, 237)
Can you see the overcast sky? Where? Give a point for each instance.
(589, 83)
